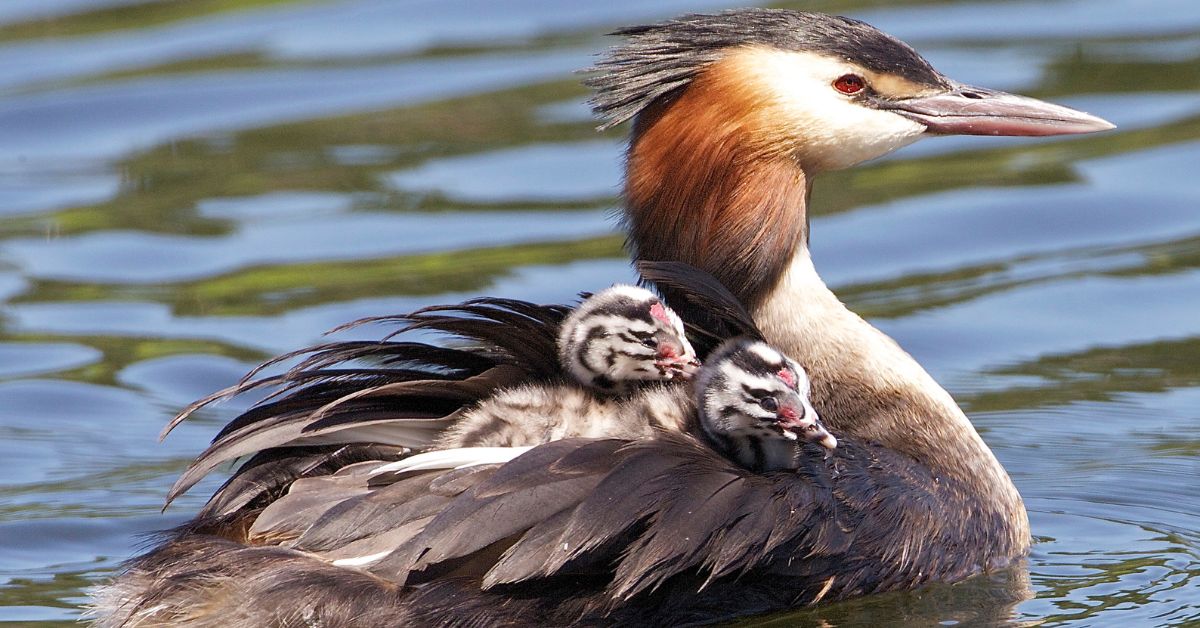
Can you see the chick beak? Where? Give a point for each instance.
(966, 110)
(800, 421)
(675, 363)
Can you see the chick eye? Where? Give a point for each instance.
(849, 84)
(769, 404)
(650, 343)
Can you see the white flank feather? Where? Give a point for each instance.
(358, 561)
(453, 459)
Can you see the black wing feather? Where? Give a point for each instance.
(517, 497)
(669, 516)
(364, 392)
(268, 473)
(704, 303)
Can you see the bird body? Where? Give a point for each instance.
(539, 413)
(734, 115)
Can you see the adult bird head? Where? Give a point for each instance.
(735, 112)
(832, 91)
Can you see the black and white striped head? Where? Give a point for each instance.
(622, 337)
(753, 403)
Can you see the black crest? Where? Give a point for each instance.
(659, 59)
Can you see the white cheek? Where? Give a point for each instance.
(853, 134)
(834, 131)
(727, 398)
(627, 369)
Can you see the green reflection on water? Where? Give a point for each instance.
(132, 15)
(1106, 73)
(122, 351)
(1096, 375)
(48, 592)
(162, 187)
(917, 292)
(268, 290)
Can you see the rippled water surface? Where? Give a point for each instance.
(187, 188)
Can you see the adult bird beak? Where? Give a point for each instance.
(966, 110)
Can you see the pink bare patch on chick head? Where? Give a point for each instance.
(660, 314)
(788, 377)
(667, 350)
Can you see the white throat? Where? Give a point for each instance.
(805, 319)
(865, 385)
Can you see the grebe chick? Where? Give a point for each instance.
(753, 405)
(608, 348)
(622, 337)
(751, 400)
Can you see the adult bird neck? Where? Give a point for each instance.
(707, 184)
(865, 385)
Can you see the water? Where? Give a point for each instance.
(188, 188)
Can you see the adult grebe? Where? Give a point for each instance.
(734, 114)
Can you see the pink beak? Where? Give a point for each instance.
(966, 110)
(674, 365)
(802, 421)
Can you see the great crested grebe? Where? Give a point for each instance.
(733, 116)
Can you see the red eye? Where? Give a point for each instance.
(849, 84)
